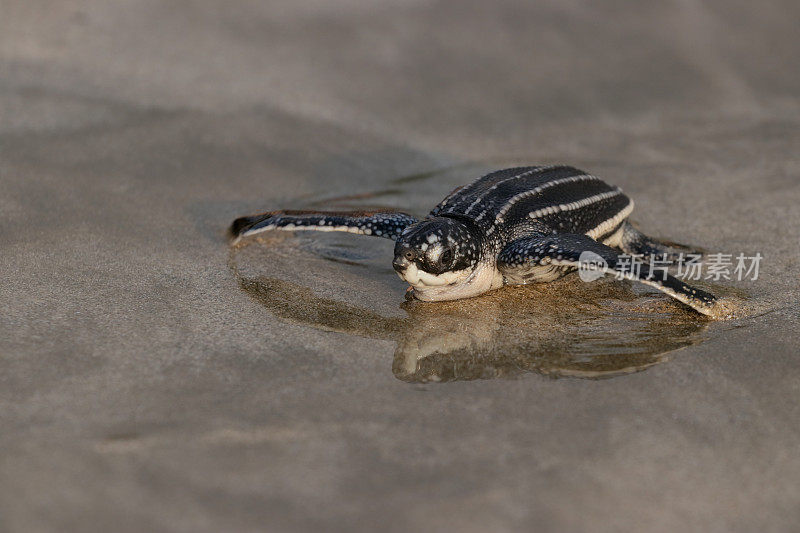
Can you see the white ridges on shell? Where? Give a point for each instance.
(607, 225)
(571, 206)
(538, 190)
(494, 187)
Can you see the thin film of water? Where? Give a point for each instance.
(565, 328)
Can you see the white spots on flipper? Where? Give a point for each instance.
(381, 224)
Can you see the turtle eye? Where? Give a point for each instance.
(446, 257)
(409, 255)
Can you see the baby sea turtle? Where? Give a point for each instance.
(512, 226)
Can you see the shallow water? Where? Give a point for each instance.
(565, 328)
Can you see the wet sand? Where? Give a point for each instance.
(153, 379)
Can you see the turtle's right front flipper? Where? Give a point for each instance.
(387, 224)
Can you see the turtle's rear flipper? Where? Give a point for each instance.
(542, 251)
(634, 242)
(387, 224)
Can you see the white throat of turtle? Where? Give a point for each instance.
(452, 285)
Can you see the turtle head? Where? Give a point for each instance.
(437, 255)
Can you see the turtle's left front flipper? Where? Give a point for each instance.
(387, 224)
(579, 251)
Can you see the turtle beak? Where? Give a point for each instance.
(400, 264)
(403, 256)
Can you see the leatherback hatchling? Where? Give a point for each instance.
(509, 227)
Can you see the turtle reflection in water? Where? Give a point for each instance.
(587, 330)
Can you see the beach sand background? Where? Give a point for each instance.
(149, 381)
